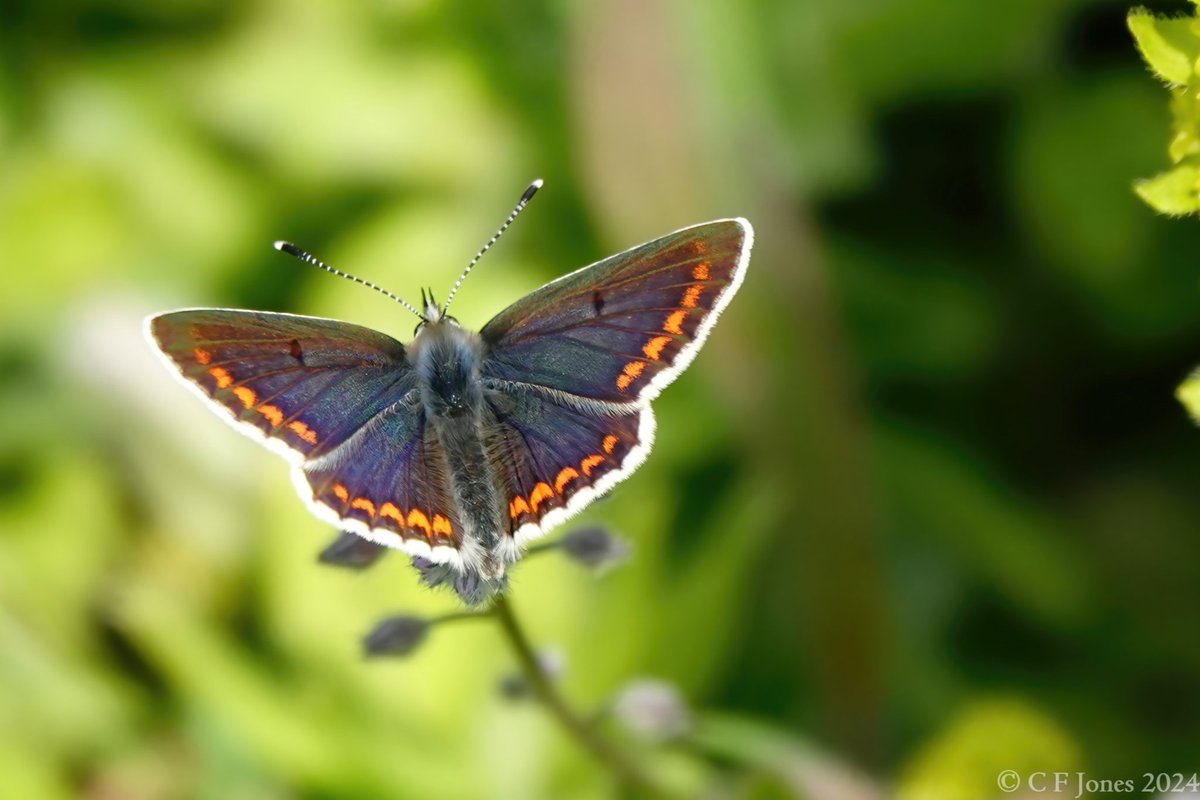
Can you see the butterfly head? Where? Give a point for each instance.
(432, 313)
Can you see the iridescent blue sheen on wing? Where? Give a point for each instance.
(340, 396)
(546, 453)
(619, 330)
(308, 383)
(389, 476)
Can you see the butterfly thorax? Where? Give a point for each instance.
(447, 361)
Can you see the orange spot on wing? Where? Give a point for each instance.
(202, 355)
(273, 414)
(441, 525)
(246, 395)
(590, 463)
(609, 443)
(540, 492)
(699, 248)
(303, 431)
(691, 296)
(340, 492)
(221, 376)
(390, 510)
(417, 519)
(631, 371)
(565, 476)
(363, 504)
(517, 507)
(700, 271)
(672, 322)
(654, 347)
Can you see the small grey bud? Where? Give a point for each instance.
(652, 710)
(351, 551)
(396, 636)
(513, 686)
(595, 548)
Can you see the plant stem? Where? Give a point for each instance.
(627, 770)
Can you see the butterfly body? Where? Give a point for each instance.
(461, 446)
(447, 360)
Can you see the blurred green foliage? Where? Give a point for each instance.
(929, 458)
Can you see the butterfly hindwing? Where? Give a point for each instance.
(620, 330)
(387, 483)
(552, 459)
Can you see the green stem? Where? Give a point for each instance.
(584, 733)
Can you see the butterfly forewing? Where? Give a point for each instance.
(620, 330)
(301, 382)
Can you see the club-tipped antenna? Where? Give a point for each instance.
(292, 250)
(520, 206)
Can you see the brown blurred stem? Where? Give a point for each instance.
(580, 729)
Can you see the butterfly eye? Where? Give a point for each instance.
(417, 329)
(452, 319)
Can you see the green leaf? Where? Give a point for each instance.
(1170, 46)
(987, 739)
(1189, 391)
(1173, 192)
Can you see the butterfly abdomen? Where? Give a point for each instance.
(446, 359)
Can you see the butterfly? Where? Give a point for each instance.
(460, 447)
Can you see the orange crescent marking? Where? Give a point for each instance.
(417, 519)
(223, 379)
(540, 492)
(609, 443)
(340, 492)
(631, 371)
(303, 431)
(691, 296)
(654, 347)
(517, 507)
(590, 463)
(202, 356)
(390, 510)
(700, 271)
(441, 525)
(246, 395)
(273, 414)
(364, 504)
(565, 476)
(671, 323)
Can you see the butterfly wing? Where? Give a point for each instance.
(552, 459)
(337, 400)
(620, 330)
(571, 368)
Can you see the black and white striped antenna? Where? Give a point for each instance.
(292, 250)
(524, 201)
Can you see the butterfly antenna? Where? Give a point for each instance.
(524, 201)
(292, 250)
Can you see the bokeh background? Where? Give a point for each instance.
(924, 509)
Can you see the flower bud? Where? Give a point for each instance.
(652, 710)
(351, 551)
(551, 663)
(595, 548)
(396, 636)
